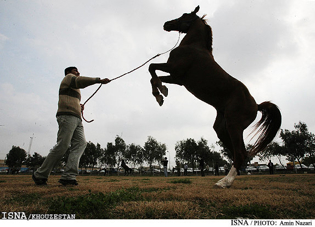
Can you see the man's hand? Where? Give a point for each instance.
(104, 81)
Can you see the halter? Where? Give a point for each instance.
(82, 106)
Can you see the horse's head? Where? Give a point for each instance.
(183, 23)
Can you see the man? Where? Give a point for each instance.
(165, 161)
(270, 165)
(216, 169)
(70, 133)
(178, 167)
(185, 169)
(202, 167)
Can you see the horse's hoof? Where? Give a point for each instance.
(218, 186)
(164, 91)
(160, 100)
(223, 183)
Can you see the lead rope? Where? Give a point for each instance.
(82, 105)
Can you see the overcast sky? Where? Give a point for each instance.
(268, 45)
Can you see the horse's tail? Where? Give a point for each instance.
(268, 125)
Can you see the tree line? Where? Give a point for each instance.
(297, 145)
(151, 154)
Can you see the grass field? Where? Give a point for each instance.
(289, 196)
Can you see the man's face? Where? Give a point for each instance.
(75, 72)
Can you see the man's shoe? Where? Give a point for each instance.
(39, 181)
(68, 182)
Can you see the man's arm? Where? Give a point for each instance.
(82, 81)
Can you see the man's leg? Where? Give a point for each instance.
(78, 145)
(67, 126)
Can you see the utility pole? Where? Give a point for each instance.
(29, 147)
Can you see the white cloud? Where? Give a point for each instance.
(3, 39)
(248, 35)
(22, 115)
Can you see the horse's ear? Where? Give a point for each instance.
(196, 10)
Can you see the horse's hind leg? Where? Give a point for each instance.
(231, 134)
(221, 129)
(239, 157)
(222, 132)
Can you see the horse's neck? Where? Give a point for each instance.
(196, 35)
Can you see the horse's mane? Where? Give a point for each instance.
(209, 35)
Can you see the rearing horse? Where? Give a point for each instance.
(192, 65)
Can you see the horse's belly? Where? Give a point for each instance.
(209, 88)
(213, 97)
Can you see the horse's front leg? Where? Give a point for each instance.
(156, 83)
(170, 80)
